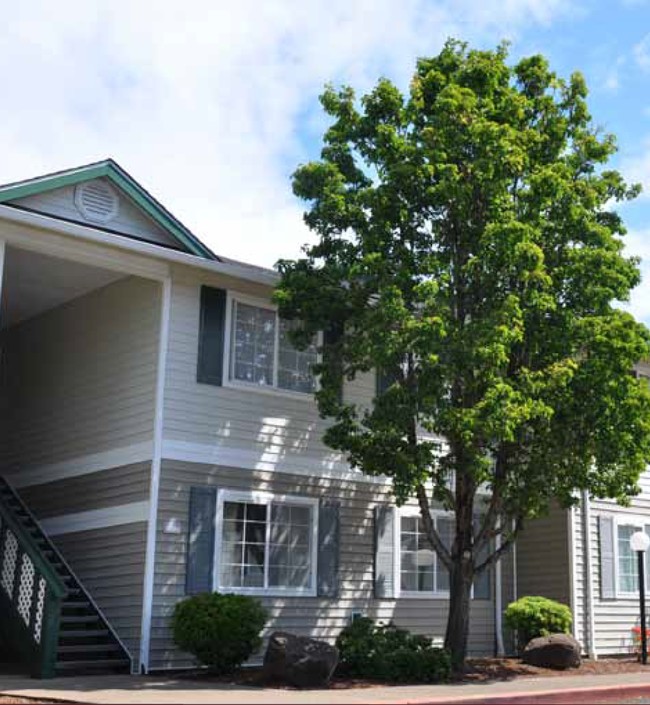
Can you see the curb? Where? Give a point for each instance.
(526, 697)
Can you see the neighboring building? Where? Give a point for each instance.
(161, 436)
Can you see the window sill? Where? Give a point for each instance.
(409, 595)
(270, 391)
(268, 592)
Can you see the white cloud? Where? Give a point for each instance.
(208, 103)
(638, 244)
(641, 52)
(636, 167)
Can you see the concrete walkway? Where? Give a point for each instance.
(164, 690)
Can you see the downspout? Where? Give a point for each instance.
(515, 586)
(498, 600)
(589, 594)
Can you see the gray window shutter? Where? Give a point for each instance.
(211, 336)
(483, 582)
(383, 380)
(331, 337)
(607, 573)
(200, 540)
(327, 581)
(384, 551)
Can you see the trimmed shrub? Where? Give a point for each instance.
(386, 653)
(222, 631)
(535, 616)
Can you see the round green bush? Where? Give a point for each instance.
(386, 653)
(222, 631)
(534, 616)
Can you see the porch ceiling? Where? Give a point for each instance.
(33, 283)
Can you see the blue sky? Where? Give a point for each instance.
(211, 105)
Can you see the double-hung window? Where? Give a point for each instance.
(266, 543)
(627, 581)
(421, 572)
(261, 353)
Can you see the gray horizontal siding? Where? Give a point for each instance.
(613, 618)
(110, 564)
(543, 565)
(130, 220)
(97, 490)
(318, 617)
(80, 379)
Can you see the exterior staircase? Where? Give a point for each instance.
(47, 617)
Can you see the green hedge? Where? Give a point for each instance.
(222, 631)
(534, 616)
(386, 653)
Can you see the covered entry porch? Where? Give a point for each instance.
(80, 330)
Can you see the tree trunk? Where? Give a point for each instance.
(460, 588)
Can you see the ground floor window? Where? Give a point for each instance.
(626, 563)
(266, 543)
(421, 572)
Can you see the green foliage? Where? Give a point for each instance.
(534, 616)
(384, 652)
(467, 244)
(222, 631)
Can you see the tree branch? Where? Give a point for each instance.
(431, 532)
(503, 548)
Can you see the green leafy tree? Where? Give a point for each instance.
(468, 249)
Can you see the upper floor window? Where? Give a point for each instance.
(261, 352)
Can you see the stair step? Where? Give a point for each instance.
(79, 618)
(83, 633)
(87, 648)
(75, 604)
(91, 665)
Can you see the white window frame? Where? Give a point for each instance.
(228, 381)
(638, 522)
(408, 511)
(265, 498)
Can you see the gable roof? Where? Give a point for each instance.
(112, 171)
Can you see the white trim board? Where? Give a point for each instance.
(154, 484)
(206, 454)
(96, 518)
(82, 465)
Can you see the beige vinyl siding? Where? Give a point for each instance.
(613, 618)
(269, 427)
(97, 490)
(110, 564)
(316, 616)
(80, 379)
(130, 220)
(543, 565)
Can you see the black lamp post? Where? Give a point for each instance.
(639, 541)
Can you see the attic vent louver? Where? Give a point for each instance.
(97, 201)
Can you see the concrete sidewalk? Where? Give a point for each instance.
(164, 690)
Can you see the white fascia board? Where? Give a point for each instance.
(124, 243)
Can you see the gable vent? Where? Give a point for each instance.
(97, 201)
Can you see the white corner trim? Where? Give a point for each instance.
(186, 451)
(154, 485)
(96, 518)
(589, 586)
(82, 465)
(573, 578)
(498, 598)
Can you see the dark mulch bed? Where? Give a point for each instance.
(477, 670)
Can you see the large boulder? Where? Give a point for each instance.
(299, 661)
(559, 651)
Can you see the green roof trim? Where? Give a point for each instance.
(125, 182)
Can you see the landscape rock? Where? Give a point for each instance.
(299, 661)
(558, 651)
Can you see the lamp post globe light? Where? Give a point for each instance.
(639, 542)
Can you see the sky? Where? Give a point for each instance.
(212, 105)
